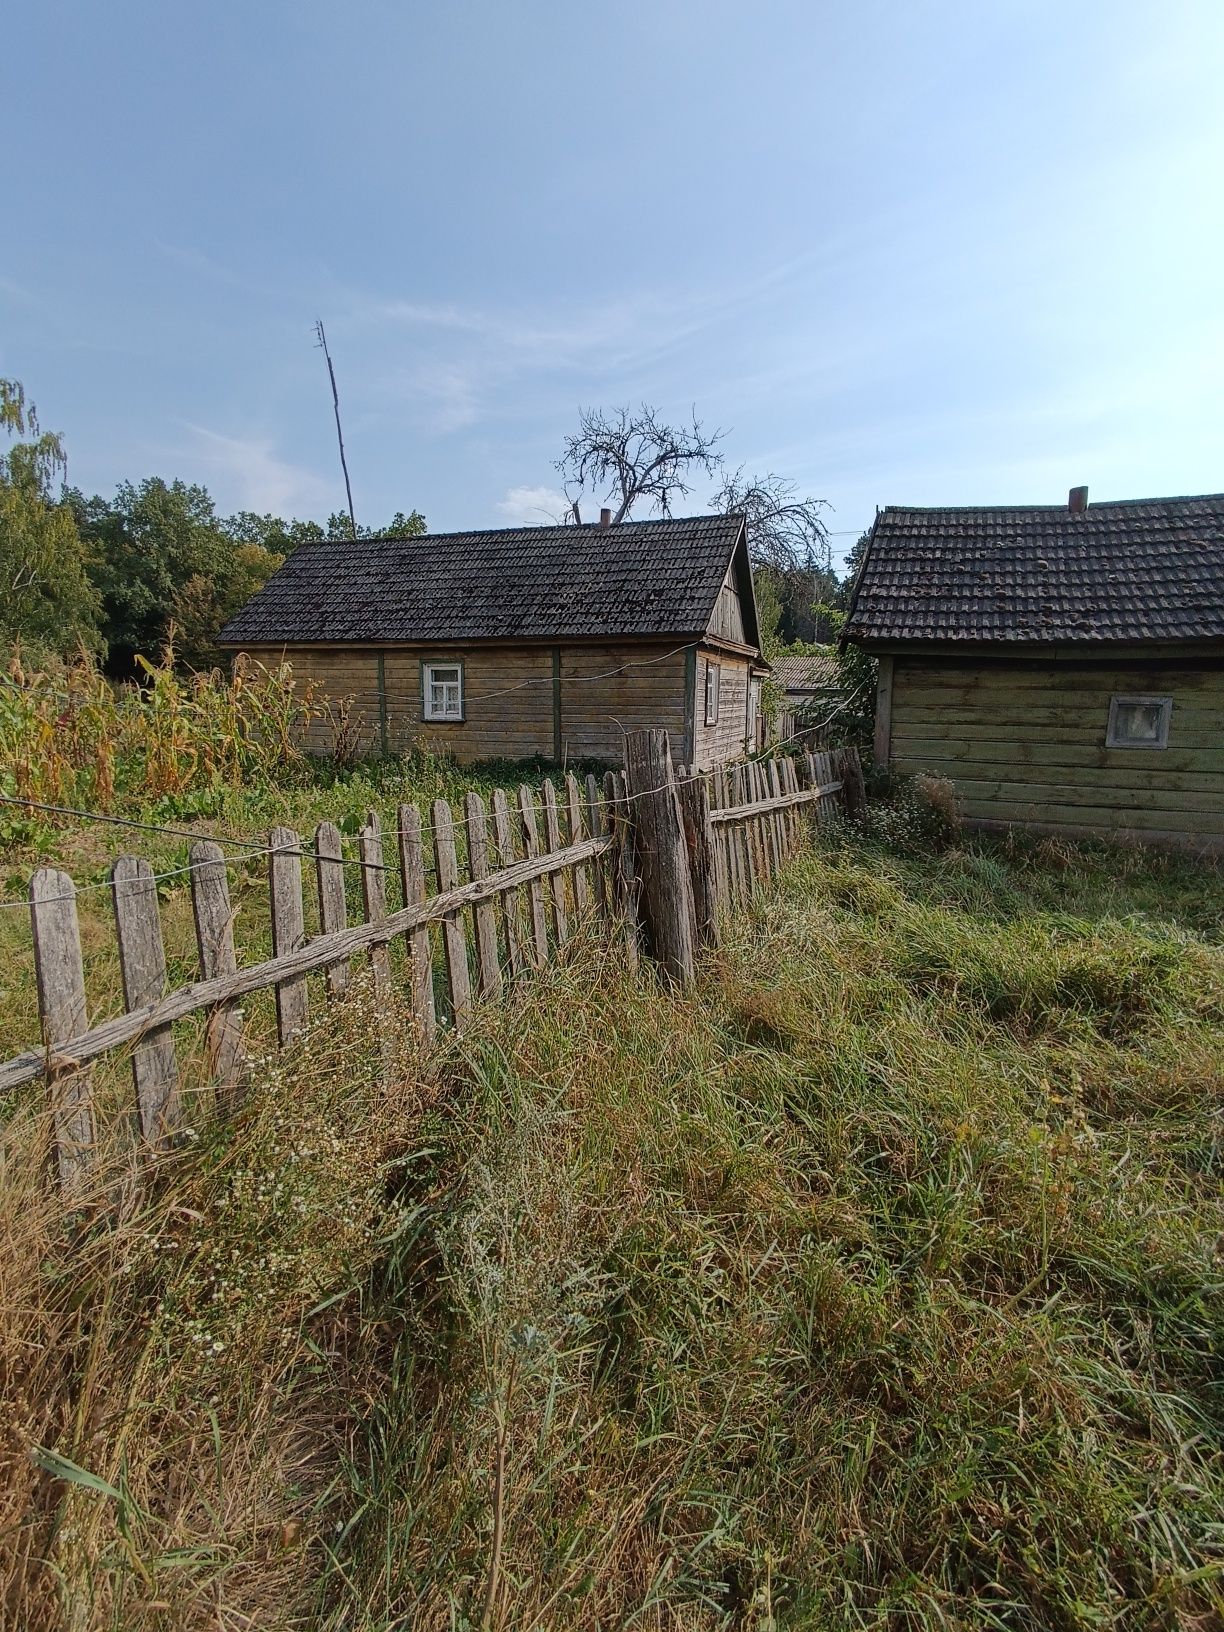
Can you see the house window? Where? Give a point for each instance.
(442, 689)
(1139, 722)
(713, 683)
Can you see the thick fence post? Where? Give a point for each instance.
(854, 787)
(703, 866)
(662, 854)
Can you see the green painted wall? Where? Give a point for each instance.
(1024, 742)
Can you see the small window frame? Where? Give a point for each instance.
(713, 691)
(428, 666)
(1131, 700)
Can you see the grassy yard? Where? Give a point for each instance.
(875, 1283)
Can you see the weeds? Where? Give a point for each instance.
(68, 736)
(876, 1283)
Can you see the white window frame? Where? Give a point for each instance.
(713, 691)
(1121, 701)
(440, 712)
(752, 706)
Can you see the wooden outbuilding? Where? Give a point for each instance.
(549, 641)
(1062, 665)
(811, 690)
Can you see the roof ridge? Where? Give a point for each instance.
(1053, 509)
(569, 527)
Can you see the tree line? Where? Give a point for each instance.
(118, 576)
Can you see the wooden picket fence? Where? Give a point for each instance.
(652, 856)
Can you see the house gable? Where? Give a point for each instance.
(734, 615)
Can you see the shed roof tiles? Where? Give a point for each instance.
(806, 671)
(1142, 570)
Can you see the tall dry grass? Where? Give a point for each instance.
(876, 1283)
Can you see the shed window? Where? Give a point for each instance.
(713, 685)
(1139, 722)
(443, 691)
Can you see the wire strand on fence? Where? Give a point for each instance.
(306, 851)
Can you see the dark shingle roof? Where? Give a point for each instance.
(1150, 569)
(808, 671)
(548, 583)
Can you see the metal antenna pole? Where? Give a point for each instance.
(339, 433)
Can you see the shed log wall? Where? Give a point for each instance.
(1024, 742)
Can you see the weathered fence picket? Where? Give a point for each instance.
(142, 968)
(333, 906)
(598, 829)
(454, 941)
(657, 851)
(556, 881)
(535, 889)
(214, 928)
(60, 975)
(513, 921)
(575, 833)
(420, 953)
(288, 928)
(374, 896)
(488, 959)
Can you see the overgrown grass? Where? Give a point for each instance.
(877, 1283)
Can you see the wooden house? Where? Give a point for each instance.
(811, 690)
(550, 641)
(1062, 665)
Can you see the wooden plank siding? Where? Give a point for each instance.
(511, 695)
(645, 689)
(727, 623)
(1025, 743)
(718, 744)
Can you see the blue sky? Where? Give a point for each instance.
(903, 251)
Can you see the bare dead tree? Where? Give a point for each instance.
(339, 434)
(631, 456)
(784, 531)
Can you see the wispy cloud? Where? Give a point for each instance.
(448, 393)
(528, 506)
(250, 475)
(204, 266)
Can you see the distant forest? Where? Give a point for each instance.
(118, 577)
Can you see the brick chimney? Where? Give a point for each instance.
(605, 516)
(1077, 500)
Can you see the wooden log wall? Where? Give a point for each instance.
(1026, 743)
